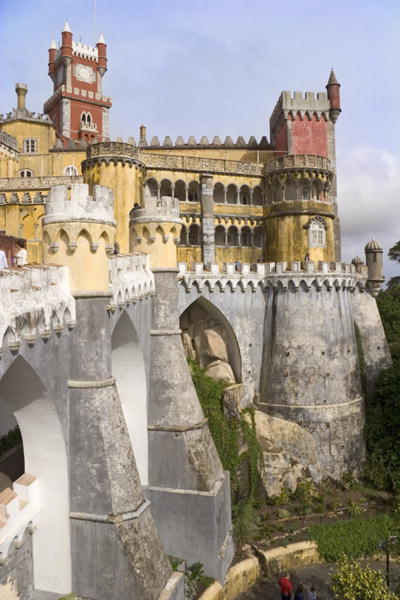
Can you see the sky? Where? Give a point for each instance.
(217, 67)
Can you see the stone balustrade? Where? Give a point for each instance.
(19, 510)
(298, 161)
(210, 165)
(264, 275)
(35, 300)
(37, 183)
(130, 278)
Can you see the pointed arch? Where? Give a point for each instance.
(205, 315)
(46, 459)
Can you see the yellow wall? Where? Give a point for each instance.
(89, 266)
(157, 239)
(126, 183)
(244, 154)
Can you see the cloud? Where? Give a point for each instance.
(369, 200)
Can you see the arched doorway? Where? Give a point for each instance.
(128, 369)
(46, 459)
(208, 337)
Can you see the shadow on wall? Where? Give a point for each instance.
(209, 339)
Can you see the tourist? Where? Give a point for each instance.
(21, 254)
(312, 594)
(299, 593)
(307, 258)
(286, 587)
(3, 260)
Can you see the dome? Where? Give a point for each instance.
(357, 261)
(373, 246)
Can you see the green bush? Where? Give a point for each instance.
(10, 440)
(354, 538)
(353, 582)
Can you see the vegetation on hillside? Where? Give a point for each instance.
(383, 412)
(351, 581)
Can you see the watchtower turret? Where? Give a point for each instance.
(79, 229)
(374, 260)
(155, 230)
(333, 90)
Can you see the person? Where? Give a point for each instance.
(299, 593)
(307, 258)
(286, 587)
(312, 594)
(3, 260)
(21, 254)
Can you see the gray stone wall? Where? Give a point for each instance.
(16, 571)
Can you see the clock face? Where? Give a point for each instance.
(85, 73)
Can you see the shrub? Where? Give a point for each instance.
(353, 582)
(10, 440)
(354, 538)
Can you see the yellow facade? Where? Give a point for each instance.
(84, 248)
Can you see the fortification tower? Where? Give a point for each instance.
(77, 107)
(78, 230)
(106, 499)
(185, 473)
(374, 260)
(301, 183)
(116, 165)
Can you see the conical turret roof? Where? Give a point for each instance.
(332, 79)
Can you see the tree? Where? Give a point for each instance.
(394, 254)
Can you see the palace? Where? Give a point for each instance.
(142, 254)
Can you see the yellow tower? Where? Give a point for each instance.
(301, 213)
(155, 230)
(79, 231)
(117, 166)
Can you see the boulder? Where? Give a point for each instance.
(289, 453)
(190, 352)
(211, 345)
(220, 370)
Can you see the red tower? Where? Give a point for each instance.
(77, 107)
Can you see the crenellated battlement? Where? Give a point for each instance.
(156, 210)
(330, 275)
(19, 511)
(130, 278)
(305, 104)
(75, 204)
(35, 301)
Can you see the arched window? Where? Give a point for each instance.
(166, 188)
(180, 190)
(259, 237)
(233, 236)
(71, 171)
(219, 193)
(30, 145)
(184, 236)
(150, 188)
(244, 194)
(257, 196)
(193, 191)
(317, 233)
(83, 118)
(220, 235)
(305, 193)
(194, 235)
(232, 194)
(246, 236)
(26, 173)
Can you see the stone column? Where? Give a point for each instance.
(207, 209)
(188, 489)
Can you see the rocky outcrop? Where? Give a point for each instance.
(289, 454)
(204, 339)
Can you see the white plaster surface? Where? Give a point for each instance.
(129, 371)
(21, 511)
(130, 278)
(46, 457)
(77, 205)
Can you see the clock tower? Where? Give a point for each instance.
(77, 107)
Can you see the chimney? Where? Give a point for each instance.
(142, 136)
(21, 89)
